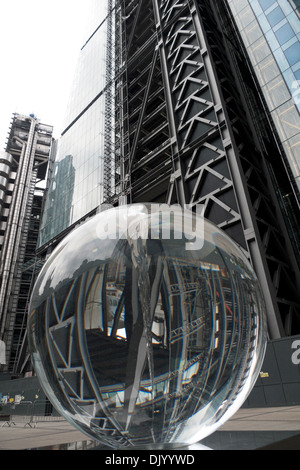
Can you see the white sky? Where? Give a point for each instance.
(40, 43)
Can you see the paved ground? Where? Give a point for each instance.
(54, 434)
(19, 437)
(265, 419)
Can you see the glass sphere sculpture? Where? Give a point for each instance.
(147, 327)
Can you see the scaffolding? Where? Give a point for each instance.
(109, 165)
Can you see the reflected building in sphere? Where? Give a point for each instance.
(191, 102)
(149, 341)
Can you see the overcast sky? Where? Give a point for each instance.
(40, 43)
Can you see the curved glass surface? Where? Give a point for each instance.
(143, 335)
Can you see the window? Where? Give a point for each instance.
(275, 16)
(297, 75)
(265, 4)
(284, 33)
(293, 53)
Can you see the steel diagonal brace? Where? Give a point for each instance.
(142, 113)
(134, 25)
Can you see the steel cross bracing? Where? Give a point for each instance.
(186, 136)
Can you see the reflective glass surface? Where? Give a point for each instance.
(271, 32)
(90, 77)
(77, 184)
(147, 327)
(76, 180)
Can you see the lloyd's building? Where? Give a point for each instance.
(191, 102)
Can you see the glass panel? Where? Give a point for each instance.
(267, 69)
(293, 53)
(253, 32)
(260, 50)
(287, 118)
(275, 16)
(284, 34)
(276, 92)
(265, 4)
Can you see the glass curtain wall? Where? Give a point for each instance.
(77, 182)
(270, 30)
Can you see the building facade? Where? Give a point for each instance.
(168, 107)
(84, 146)
(23, 167)
(270, 30)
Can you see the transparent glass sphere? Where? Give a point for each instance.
(147, 327)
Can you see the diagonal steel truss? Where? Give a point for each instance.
(186, 135)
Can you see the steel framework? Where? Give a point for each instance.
(28, 148)
(191, 128)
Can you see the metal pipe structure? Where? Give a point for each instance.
(28, 145)
(15, 221)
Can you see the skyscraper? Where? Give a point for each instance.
(22, 168)
(168, 107)
(80, 175)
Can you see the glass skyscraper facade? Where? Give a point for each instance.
(270, 30)
(76, 186)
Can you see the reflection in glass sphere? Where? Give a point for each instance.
(143, 335)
